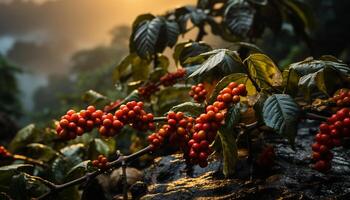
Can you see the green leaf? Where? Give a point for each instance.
(250, 46)
(225, 61)
(239, 18)
(26, 135)
(23, 186)
(229, 151)
(147, 38)
(162, 62)
(310, 65)
(74, 150)
(133, 96)
(171, 96)
(7, 172)
(94, 98)
(263, 70)
(185, 50)
(99, 146)
(72, 155)
(290, 82)
(156, 74)
(41, 152)
(236, 77)
(172, 33)
(232, 119)
(123, 67)
(302, 11)
(326, 80)
(79, 170)
(281, 113)
(189, 109)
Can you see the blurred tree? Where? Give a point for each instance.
(10, 106)
(90, 69)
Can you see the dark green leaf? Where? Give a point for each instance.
(281, 113)
(23, 186)
(225, 61)
(229, 151)
(189, 108)
(185, 50)
(172, 33)
(79, 170)
(147, 37)
(239, 17)
(41, 152)
(7, 172)
(232, 119)
(95, 98)
(26, 135)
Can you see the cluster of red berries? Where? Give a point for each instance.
(75, 124)
(329, 136)
(148, 89)
(167, 80)
(133, 114)
(101, 162)
(231, 93)
(343, 98)
(112, 106)
(171, 78)
(110, 125)
(208, 123)
(4, 153)
(176, 130)
(198, 93)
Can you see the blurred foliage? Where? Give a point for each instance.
(10, 106)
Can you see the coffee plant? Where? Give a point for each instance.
(235, 92)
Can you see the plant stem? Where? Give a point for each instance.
(159, 119)
(315, 116)
(155, 61)
(125, 181)
(29, 160)
(201, 33)
(114, 164)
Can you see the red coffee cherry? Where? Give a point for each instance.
(101, 162)
(4, 153)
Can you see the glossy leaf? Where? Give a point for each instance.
(79, 170)
(95, 98)
(229, 152)
(281, 113)
(189, 108)
(223, 60)
(263, 70)
(185, 50)
(146, 37)
(41, 152)
(239, 17)
(26, 135)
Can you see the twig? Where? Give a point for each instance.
(125, 181)
(30, 160)
(49, 184)
(114, 164)
(201, 33)
(159, 119)
(315, 116)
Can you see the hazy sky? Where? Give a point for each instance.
(41, 35)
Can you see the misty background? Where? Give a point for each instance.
(48, 39)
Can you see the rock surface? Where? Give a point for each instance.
(290, 178)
